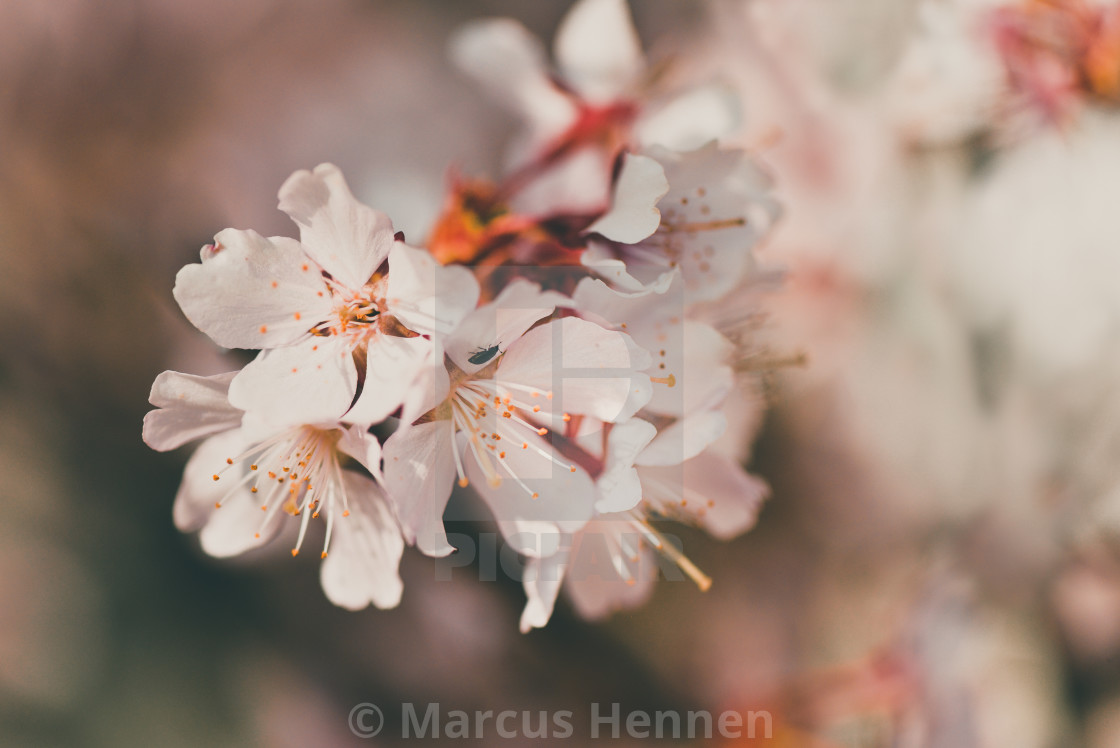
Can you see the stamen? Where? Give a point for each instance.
(670, 551)
(728, 223)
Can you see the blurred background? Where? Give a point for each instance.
(938, 564)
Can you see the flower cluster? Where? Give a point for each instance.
(563, 345)
(1059, 53)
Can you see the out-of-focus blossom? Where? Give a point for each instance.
(598, 101)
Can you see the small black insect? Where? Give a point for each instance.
(482, 355)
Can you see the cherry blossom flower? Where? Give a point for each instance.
(612, 563)
(701, 212)
(647, 471)
(500, 417)
(597, 101)
(319, 306)
(249, 473)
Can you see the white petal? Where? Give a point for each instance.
(597, 49)
(619, 487)
(429, 389)
(350, 240)
(190, 407)
(419, 470)
(363, 447)
(233, 528)
(734, 495)
(717, 492)
(684, 439)
(633, 214)
(509, 63)
(393, 367)
(596, 373)
(541, 579)
(311, 382)
(198, 490)
(493, 327)
(253, 292)
(427, 297)
(594, 583)
(626, 275)
(534, 527)
(696, 355)
(239, 526)
(689, 121)
(718, 207)
(365, 552)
